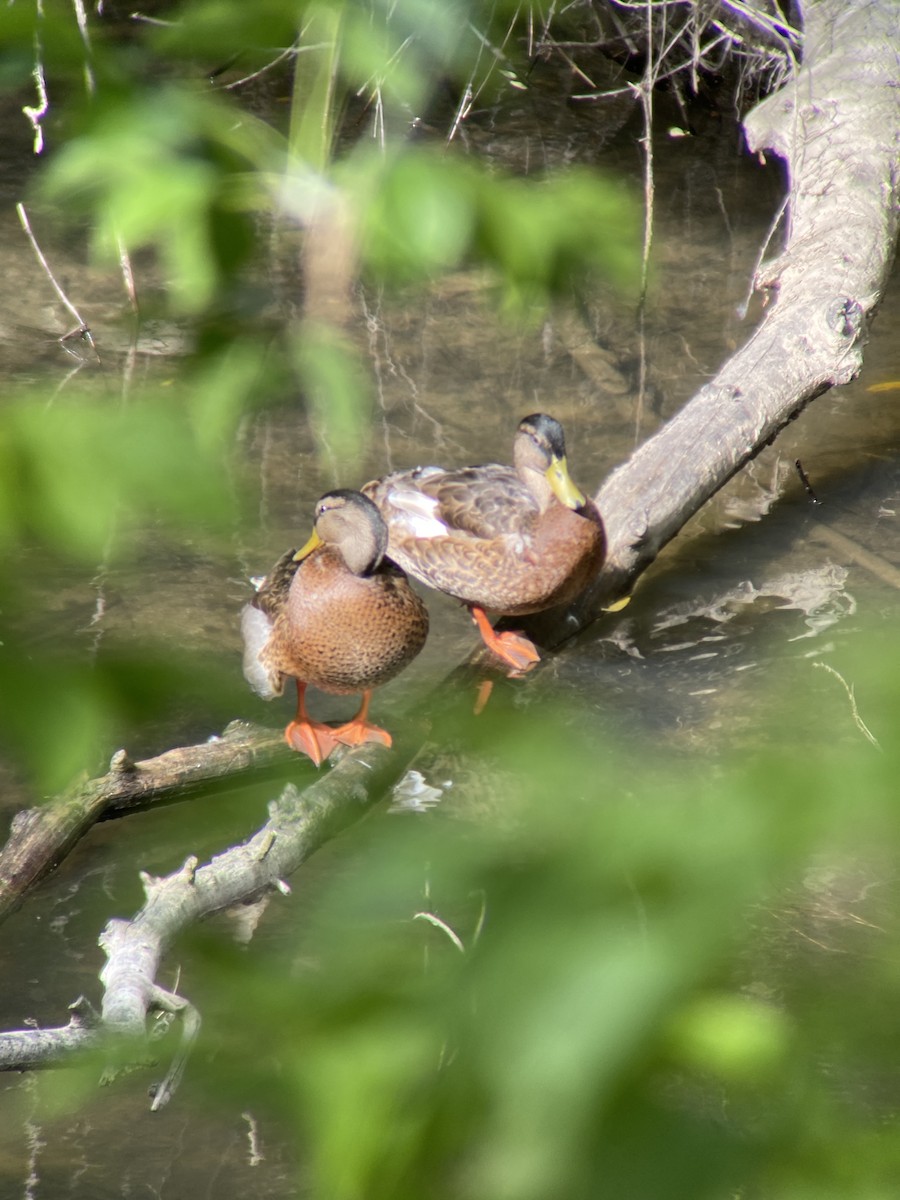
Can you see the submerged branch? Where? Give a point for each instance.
(299, 823)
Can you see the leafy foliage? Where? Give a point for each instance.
(586, 994)
(614, 1021)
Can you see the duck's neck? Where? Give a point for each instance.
(538, 487)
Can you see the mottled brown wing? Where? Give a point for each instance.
(273, 592)
(486, 501)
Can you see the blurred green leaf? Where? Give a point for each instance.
(418, 214)
(424, 213)
(734, 1038)
(160, 168)
(598, 1030)
(62, 715)
(228, 30)
(336, 389)
(545, 234)
(76, 473)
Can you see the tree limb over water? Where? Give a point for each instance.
(41, 837)
(837, 125)
(298, 825)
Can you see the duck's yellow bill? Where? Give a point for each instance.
(305, 551)
(563, 488)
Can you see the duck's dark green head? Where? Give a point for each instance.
(540, 445)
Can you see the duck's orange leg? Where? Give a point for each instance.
(485, 687)
(306, 736)
(360, 729)
(513, 648)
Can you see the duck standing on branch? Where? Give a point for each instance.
(336, 614)
(505, 540)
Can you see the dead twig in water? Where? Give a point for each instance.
(36, 112)
(82, 329)
(857, 719)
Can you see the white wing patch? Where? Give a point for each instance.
(416, 513)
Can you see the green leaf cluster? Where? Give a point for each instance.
(430, 212)
(622, 1016)
(153, 155)
(84, 486)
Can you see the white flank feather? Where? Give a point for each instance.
(417, 513)
(255, 629)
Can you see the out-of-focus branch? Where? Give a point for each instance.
(41, 837)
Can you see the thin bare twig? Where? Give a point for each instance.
(474, 87)
(143, 19)
(290, 52)
(26, 225)
(646, 95)
(127, 273)
(36, 113)
(854, 710)
(81, 17)
(440, 923)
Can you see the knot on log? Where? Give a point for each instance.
(120, 762)
(845, 316)
(23, 821)
(84, 1015)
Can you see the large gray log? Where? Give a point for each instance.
(837, 126)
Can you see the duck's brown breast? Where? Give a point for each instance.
(343, 632)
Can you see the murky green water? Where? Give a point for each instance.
(756, 579)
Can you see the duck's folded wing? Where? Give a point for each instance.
(482, 502)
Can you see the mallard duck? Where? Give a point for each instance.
(506, 540)
(336, 614)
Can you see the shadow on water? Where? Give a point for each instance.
(749, 584)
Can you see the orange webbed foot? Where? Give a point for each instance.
(356, 733)
(360, 729)
(311, 738)
(512, 648)
(516, 650)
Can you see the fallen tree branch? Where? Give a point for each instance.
(298, 825)
(41, 837)
(839, 135)
(30, 1049)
